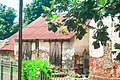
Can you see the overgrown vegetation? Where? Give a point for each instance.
(29, 68)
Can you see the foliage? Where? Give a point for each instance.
(7, 17)
(113, 52)
(117, 28)
(33, 10)
(117, 57)
(100, 35)
(117, 46)
(29, 68)
(79, 13)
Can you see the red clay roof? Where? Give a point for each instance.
(38, 29)
(10, 44)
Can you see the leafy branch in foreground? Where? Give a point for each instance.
(79, 13)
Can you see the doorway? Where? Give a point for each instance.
(55, 56)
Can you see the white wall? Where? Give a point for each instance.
(15, 48)
(33, 46)
(94, 52)
(113, 36)
(44, 45)
(67, 50)
(76, 46)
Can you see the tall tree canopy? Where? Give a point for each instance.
(33, 10)
(80, 12)
(7, 17)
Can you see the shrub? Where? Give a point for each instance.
(29, 68)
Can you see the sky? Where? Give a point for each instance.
(14, 4)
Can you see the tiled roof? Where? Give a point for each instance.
(38, 29)
(10, 44)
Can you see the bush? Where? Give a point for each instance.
(29, 68)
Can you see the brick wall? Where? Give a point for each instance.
(97, 72)
(104, 68)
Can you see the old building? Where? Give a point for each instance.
(6, 52)
(62, 50)
(65, 51)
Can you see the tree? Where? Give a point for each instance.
(7, 17)
(33, 10)
(80, 12)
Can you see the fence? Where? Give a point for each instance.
(10, 66)
(40, 76)
(5, 65)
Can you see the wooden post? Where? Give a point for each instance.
(11, 71)
(20, 39)
(41, 77)
(1, 70)
(50, 53)
(61, 53)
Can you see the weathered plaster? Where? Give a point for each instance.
(102, 65)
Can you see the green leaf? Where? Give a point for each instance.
(79, 36)
(62, 28)
(45, 8)
(119, 34)
(48, 19)
(55, 16)
(102, 2)
(113, 52)
(117, 46)
(96, 44)
(71, 24)
(117, 28)
(119, 17)
(80, 32)
(90, 27)
(52, 4)
(72, 2)
(117, 57)
(54, 29)
(100, 23)
(52, 26)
